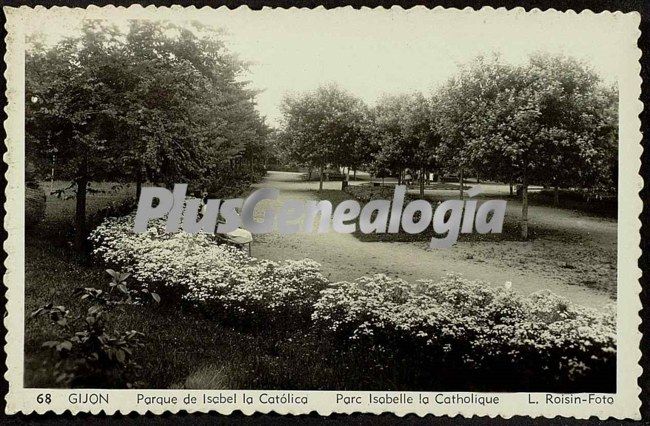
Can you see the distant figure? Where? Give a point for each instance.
(408, 178)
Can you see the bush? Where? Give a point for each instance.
(89, 353)
(433, 334)
(593, 202)
(462, 327)
(219, 278)
(115, 208)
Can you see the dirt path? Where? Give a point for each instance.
(344, 257)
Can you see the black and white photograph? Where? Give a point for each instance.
(422, 203)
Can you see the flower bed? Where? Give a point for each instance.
(461, 325)
(217, 277)
(366, 193)
(426, 330)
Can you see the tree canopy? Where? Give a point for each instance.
(154, 102)
(549, 121)
(323, 127)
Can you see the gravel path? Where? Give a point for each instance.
(545, 263)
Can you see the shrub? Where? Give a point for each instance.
(89, 353)
(467, 327)
(220, 278)
(447, 333)
(115, 208)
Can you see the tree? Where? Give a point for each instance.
(358, 153)
(322, 127)
(462, 107)
(159, 102)
(545, 122)
(72, 92)
(404, 135)
(421, 135)
(190, 112)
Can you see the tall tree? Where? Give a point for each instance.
(545, 122)
(461, 107)
(321, 127)
(421, 134)
(159, 102)
(72, 104)
(404, 135)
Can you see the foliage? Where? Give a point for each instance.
(366, 193)
(324, 127)
(90, 354)
(403, 134)
(468, 326)
(34, 206)
(548, 122)
(220, 278)
(158, 102)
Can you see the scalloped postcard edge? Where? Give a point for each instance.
(628, 403)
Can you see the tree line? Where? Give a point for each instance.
(550, 121)
(150, 102)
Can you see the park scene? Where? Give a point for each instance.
(111, 108)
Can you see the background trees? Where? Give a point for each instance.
(547, 122)
(160, 102)
(153, 102)
(404, 135)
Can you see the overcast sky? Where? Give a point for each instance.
(376, 51)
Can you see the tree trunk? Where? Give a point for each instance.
(510, 182)
(422, 182)
(556, 196)
(354, 175)
(524, 207)
(52, 175)
(138, 185)
(399, 178)
(478, 177)
(461, 183)
(320, 183)
(309, 174)
(80, 216)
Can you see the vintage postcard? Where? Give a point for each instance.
(428, 211)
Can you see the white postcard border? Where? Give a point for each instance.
(627, 401)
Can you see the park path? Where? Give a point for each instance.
(344, 257)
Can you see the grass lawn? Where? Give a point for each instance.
(568, 245)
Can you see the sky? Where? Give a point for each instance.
(371, 52)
